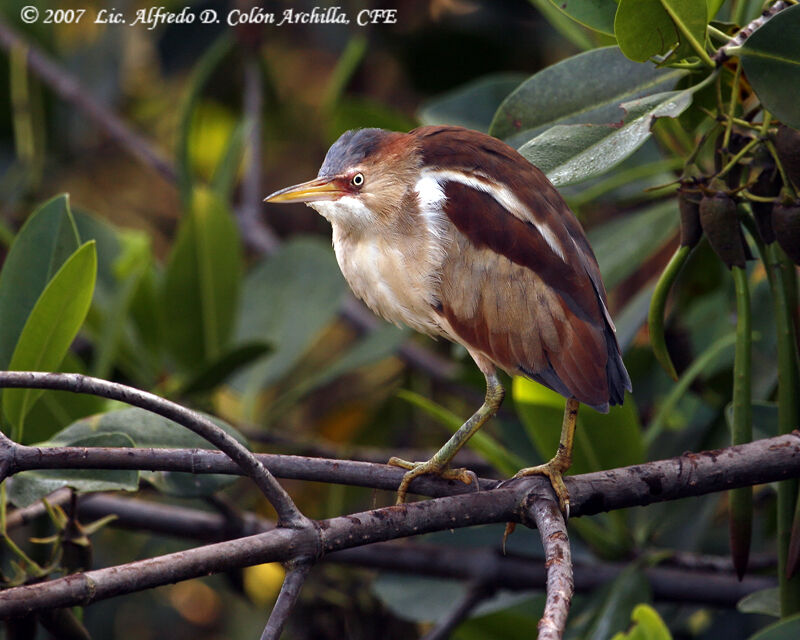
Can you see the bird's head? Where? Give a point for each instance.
(363, 181)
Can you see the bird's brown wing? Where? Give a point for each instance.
(522, 286)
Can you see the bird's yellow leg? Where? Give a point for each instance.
(561, 462)
(437, 465)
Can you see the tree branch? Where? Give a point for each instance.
(542, 511)
(688, 475)
(287, 597)
(288, 513)
(711, 581)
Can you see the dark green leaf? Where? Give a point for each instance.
(201, 284)
(44, 242)
(616, 602)
(287, 299)
(787, 629)
(472, 105)
(147, 429)
(422, 599)
(771, 60)
(647, 28)
(644, 29)
(51, 327)
(585, 89)
(595, 14)
(29, 486)
(645, 231)
(217, 372)
(355, 113)
(576, 152)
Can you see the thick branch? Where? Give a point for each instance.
(542, 511)
(288, 513)
(278, 545)
(712, 582)
(688, 475)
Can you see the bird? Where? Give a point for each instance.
(455, 234)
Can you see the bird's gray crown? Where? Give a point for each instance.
(350, 149)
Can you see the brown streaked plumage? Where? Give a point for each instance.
(455, 234)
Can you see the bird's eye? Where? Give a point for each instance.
(357, 180)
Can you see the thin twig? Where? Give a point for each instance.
(287, 597)
(476, 593)
(206, 461)
(542, 511)
(68, 88)
(288, 513)
(725, 51)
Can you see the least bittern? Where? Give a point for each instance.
(455, 234)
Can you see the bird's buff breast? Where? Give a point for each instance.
(399, 289)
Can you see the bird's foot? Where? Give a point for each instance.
(416, 469)
(554, 470)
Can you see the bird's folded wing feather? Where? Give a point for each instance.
(521, 284)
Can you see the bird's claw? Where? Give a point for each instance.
(416, 469)
(554, 472)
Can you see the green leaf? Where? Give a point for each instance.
(472, 105)
(616, 601)
(355, 113)
(787, 629)
(205, 67)
(29, 486)
(201, 285)
(646, 624)
(51, 327)
(765, 601)
(148, 429)
(594, 14)
(565, 26)
(602, 441)
(44, 242)
(218, 371)
(227, 170)
(585, 89)
(577, 152)
(646, 232)
(771, 60)
(490, 449)
(647, 28)
(287, 300)
(376, 345)
(421, 599)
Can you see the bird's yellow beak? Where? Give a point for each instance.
(311, 191)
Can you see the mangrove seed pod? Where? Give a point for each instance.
(768, 185)
(721, 226)
(787, 143)
(786, 222)
(689, 208)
